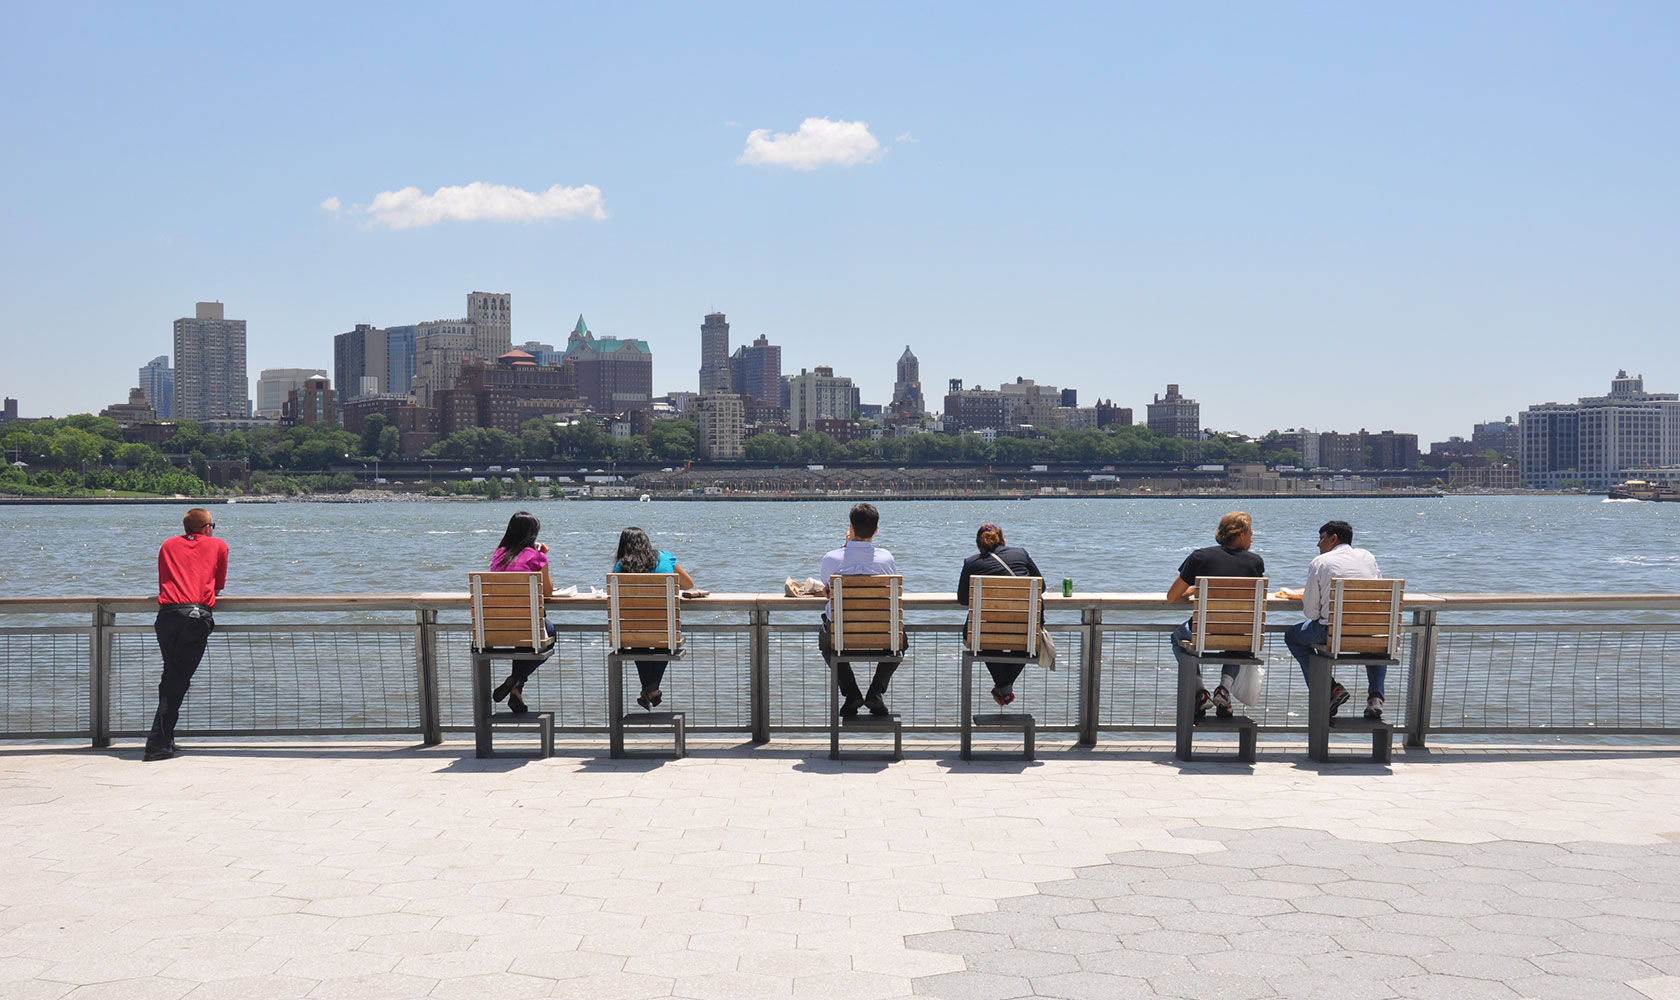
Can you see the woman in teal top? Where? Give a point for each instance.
(636, 554)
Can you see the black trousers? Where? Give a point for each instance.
(1004, 674)
(651, 673)
(848, 680)
(182, 640)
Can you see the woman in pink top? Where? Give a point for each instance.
(520, 552)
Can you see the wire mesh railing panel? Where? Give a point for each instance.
(711, 682)
(925, 690)
(1139, 687)
(44, 683)
(1585, 678)
(276, 679)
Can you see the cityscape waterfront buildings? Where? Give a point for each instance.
(715, 374)
(819, 394)
(275, 386)
(613, 375)
(1598, 441)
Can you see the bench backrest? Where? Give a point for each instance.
(1230, 615)
(1005, 613)
(507, 611)
(868, 614)
(642, 611)
(1365, 616)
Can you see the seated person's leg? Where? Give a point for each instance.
(1004, 674)
(651, 673)
(1181, 634)
(1300, 639)
(1377, 674)
(848, 683)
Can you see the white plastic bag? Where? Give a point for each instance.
(1245, 687)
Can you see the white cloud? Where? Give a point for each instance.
(905, 137)
(411, 208)
(817, 142)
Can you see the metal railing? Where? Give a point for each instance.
(399, 665)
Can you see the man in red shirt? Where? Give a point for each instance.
(192, 570)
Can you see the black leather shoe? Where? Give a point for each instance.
(876, 706)
(516, 704)
(152, 755)
(849, 708)
(502, 690)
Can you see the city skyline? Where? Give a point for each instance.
(1464, 210)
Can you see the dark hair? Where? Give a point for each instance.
(989, 537)
(1341, 529)
(865, 519)
(521, 534)
(635, 552)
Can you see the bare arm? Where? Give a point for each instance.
(1179, 592)
(685, 581)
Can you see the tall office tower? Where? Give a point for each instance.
(714, 355)
(210, 376)
(274, 385)
(613, 375)
(8, 410)
(439, 347)
(157, 381)
(907, 400)
(401, 360)
(491, 314)
(360, 354)
(1175, 416)
(756, 370)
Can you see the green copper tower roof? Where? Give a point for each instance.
(582, 328)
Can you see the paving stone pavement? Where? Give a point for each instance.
(369, 871)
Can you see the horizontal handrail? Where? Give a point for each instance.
(1095, 601)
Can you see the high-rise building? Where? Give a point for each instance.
(819, 395)
(8, 410)
(363, 353)
(907, 400)
(311, 402)
(440, 346)
(210, 378)
(720, 418)
(1600, 440)
(1176, 416)
(1503, 436)
(714, 355)
(613, 375)
(756, 371)
(1025, 402)
(275, 386)
(491, 315)
(973, 409)
(401, 360)
(157, 382)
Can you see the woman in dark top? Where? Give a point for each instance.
(1231, 557)
(997, 559)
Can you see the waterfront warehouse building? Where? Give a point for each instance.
(1600, 440)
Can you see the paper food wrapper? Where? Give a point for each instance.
(810, 587)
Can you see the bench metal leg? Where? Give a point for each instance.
(966, 751)
(833, 708)
(481, 706)
(1382, 745)
(615, 706)
(1318, 709)
(1246, 749)
(1031, 740)
(1189, 682)
(548, 738)
(682, 738)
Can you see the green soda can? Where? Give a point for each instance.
(1067, 587)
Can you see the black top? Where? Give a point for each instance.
(1216, 560)
(982, 563)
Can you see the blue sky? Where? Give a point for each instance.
(1334, 216)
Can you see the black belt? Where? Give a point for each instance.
(186, 610)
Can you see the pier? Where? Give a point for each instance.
(327, 831)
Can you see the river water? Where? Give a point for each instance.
(1468, 543)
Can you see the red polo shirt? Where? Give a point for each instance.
(192, 569)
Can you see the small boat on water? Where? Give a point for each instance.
(1639, 489)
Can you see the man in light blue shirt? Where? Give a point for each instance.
(1337, 559)
(858, 557)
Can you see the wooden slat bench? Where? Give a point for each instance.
(1005, 614)
(507, 623)
(644, 622)
(1364, 630)
(1227, 629)
(868, 627)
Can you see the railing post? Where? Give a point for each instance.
(99, 676)
(758, 673)
(1421, 681)
(425, 650)
(1090, 674)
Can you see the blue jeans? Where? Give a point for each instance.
(1301, 638)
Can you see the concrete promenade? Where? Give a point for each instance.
(357, 870)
